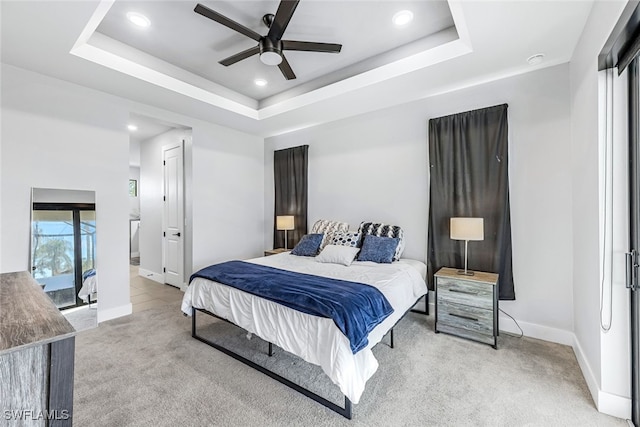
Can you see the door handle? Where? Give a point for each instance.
(177, 234)
(630, 264)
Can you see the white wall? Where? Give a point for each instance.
(375, 167)
(227, 197)
(134, 152)
(59, 135)
(603, 357)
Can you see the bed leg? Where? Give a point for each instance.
(270, 349)
(347, 408)
(391, 338)
(426, 304)
(193, 322)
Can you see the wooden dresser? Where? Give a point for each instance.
(467, 306)
(37, 346)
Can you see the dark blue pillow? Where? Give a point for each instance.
(378, 249)
(309, 245)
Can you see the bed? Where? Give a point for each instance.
(89, 286)
(315, 339)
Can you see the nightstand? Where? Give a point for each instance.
(467, 306)
(275, 251)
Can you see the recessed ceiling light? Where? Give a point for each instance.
(260, 82)
(535, 59)
(402, 18)
(138, 19)
(132, 128)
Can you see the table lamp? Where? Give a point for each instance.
(467, 229)
(285, 222)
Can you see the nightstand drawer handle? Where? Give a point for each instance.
(463, 317)
(461, 291)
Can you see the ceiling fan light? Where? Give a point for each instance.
(270, 58)
(402, 18)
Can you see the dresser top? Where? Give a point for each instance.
(478, 276)
(27, 316)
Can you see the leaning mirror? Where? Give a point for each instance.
(63, 245)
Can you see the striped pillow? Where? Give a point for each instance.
(328, 228)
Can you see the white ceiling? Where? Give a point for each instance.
(491, 40)
(194, 43)
(148, 127)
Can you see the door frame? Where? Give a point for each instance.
(634, 233)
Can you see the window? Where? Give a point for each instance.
(133, 188)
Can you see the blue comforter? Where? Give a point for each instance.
(356, 308)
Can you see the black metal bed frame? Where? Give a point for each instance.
(344, 411)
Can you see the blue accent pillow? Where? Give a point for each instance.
(309, 245)
(378, 249)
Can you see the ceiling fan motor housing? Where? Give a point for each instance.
(270, 51)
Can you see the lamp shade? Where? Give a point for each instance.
(284, 222)
(467, 228)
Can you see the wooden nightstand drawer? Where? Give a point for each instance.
(466, 333)
(465, 292)
(466, 317)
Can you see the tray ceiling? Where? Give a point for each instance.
(184, 39)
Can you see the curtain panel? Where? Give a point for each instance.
(468, 156)
(290, 168)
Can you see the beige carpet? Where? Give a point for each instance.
(82, 318)
(146, 370)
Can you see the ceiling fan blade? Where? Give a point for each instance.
(240, 56)
(311, 46)
(221, 19)
(287, 72)
(282, 18)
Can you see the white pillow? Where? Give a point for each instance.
(338, 254)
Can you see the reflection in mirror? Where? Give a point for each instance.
(63, 250)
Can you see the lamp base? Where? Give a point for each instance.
(466, 272)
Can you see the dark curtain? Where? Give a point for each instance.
(468, 156)
(290, 178)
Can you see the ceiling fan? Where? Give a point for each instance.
(271, 46)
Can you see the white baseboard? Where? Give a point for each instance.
(587, 373)
(614, 405)
(532, 330)
(113, 313)
(156, 277)
(607, 403)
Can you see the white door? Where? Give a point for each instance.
(173, 215)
